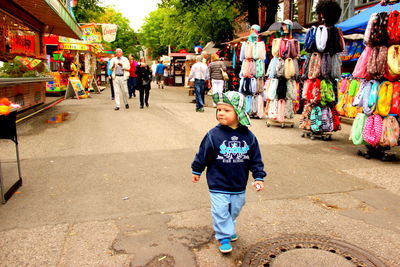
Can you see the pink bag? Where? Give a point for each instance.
(360, 70)
(372, 132)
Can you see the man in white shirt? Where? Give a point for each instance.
(199, 72)
(120, 66)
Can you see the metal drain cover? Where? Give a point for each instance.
(308, 250)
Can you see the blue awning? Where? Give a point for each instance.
(358, 23)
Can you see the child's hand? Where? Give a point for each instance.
(195, 178)
(258, 185)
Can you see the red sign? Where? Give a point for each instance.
(22, 43)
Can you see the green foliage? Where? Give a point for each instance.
(126, 36)
(87, 10)
(186, 23)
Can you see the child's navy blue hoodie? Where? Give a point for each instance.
(229, 154)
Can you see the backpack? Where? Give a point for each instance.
(259, 68)
(289, 113)
(314, 68)
(305, 122)
(248, 52)
(273, 109)
(393, 59)
(282, 89)
(327, 93)
(357, 102)
(310, 43)
(367, 33)
(271, 71)
(306, 65)
(373, 130)
(390, 132)
(290, 70)
(379, 34)
(393, 27)
(377, 62)
(291, 93)
(360, 70)
(280, 67)
(385, 99)
(276, 43)
(336, 71)
(326, 65)
(321, 38)
(271, 89)
(281, 110)
(395, 106)
(336, 119)
(316, 119)
(327, 120)
(357, 129)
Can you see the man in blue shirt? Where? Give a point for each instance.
(160, 74)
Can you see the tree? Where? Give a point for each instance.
(87, 10)
(185, 23)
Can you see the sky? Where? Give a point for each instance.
(134, 10)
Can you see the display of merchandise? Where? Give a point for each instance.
(374, 90)
(320, 90)
(252, 55)
(282, 88)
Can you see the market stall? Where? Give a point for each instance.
(180, 64)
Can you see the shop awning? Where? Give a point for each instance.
(54, 15)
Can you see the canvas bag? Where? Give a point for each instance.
(316, 119)
(290, 70)
(377, 62)
(310, 43)
(276, 43)
(280, 67)
(385, 98)
(395, 105)
(360, 70)
(390, 132)
(393, 27)
(314, 68)
(373, 130)
(327, 120)
(393, 59)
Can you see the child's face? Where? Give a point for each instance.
(226, 115)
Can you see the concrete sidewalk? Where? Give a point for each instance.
(113, 188)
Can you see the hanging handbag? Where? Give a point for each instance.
(224, 75)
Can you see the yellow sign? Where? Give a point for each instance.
(82, 47)
(75, 88)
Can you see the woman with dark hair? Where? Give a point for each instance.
(329, 12)
(144, 79)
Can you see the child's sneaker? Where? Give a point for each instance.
(225, 245)
(234, 238)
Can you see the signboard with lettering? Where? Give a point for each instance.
(81, 47)
(75, 88)
(90, 34)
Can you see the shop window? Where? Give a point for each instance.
(311, 11)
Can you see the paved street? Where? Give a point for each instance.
(113, 188)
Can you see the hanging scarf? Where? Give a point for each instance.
(390, 132)
(321, 37)
(327, 93)
(357, 129)
(385, 99)
(373, 130)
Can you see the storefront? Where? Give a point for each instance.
(22, 48)
(180, 65)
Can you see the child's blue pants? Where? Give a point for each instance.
(225, 208)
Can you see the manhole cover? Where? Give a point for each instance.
(307, 250)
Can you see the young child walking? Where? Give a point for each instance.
(229, 151)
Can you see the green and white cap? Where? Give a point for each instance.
(237, 100)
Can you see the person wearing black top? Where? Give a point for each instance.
(144, 79)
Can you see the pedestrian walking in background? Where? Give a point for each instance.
(132, 76)
(217, 80)
(144, 83)
(229, 151)
(160, 74)
(199, 72)
(109, 76)
(153, 70)
(120, 66)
